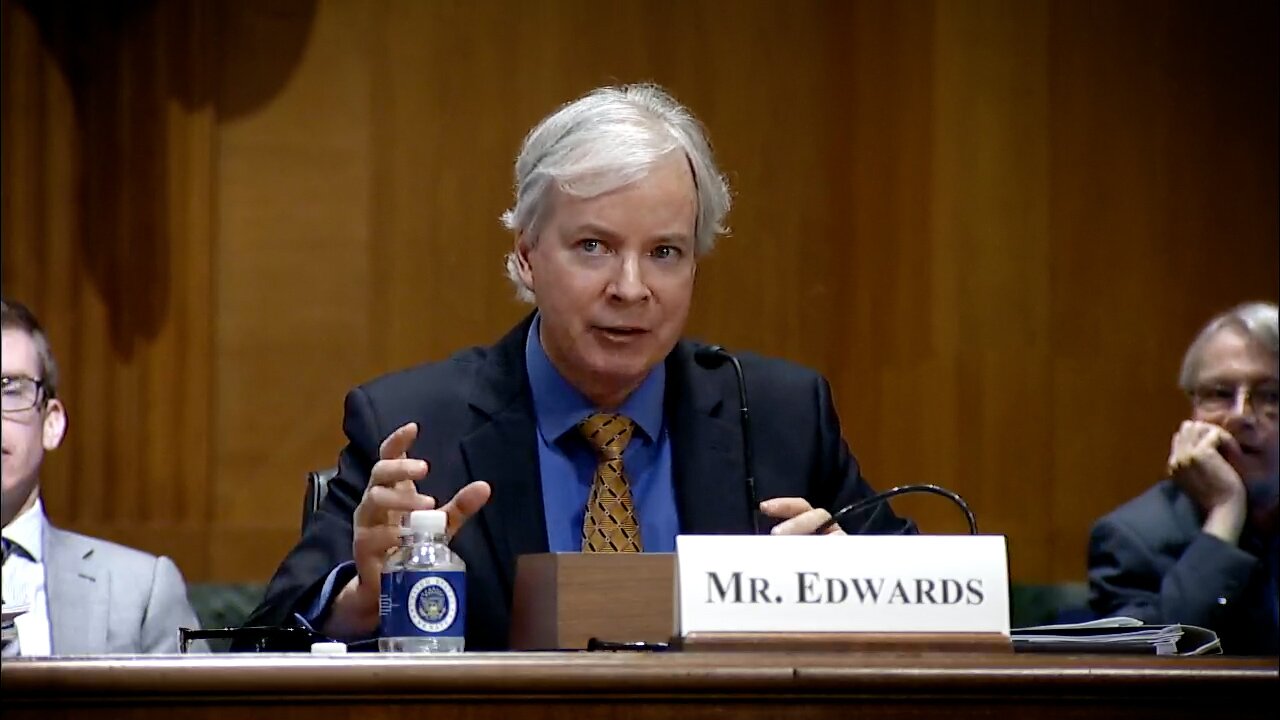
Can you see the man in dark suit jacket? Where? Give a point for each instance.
(480, 406)
(617, 197)
(1150, 560)
(1200, 548)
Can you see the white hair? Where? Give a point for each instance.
(602, 141)
(1257, 320)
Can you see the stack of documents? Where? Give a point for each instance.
(1117, 635)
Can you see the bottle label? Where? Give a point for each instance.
(423, 603)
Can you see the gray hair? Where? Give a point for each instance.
(605, 140)
(1258, 321)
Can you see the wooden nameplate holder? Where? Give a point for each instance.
(563, 600)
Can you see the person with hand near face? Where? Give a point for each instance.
(1200, 547)
(589, 427)
(83, 595)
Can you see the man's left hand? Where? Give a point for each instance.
(798, 517)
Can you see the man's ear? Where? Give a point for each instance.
(55, 424)
(523, 266)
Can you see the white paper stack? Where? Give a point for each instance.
(1117, 635)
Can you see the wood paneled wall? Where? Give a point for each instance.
(994, 225)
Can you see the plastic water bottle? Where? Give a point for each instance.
(423, 605)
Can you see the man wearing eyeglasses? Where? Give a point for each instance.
(1200, 548)
(65, 593)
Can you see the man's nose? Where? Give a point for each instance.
(628, 284)
(1242, 409)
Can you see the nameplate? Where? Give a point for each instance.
(846, 583)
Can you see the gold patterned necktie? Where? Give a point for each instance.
(609, 524)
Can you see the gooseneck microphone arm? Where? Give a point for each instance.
(902, 490)
(712, 357)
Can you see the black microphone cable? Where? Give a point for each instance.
(902, 490)
(712, 357)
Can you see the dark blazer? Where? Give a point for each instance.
(476, 422)
(1150, 560)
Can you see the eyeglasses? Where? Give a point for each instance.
(1263, 398)
(20, 393)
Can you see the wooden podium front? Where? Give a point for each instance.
(563, 600)
(640, 686)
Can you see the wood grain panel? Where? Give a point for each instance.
(107, 236)
(990, 259)
(293, 260)
(708, 685)
(1163, 199)
(892, 395)
(993, 225)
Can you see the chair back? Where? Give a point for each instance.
(317, 488)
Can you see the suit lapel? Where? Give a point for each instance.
(503, 452)
(77, 596)
(706, 446)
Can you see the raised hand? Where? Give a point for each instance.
(1199, 462)
(392, 492)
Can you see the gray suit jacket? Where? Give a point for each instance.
(107, 598)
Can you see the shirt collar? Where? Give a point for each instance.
(559, 406)
(27, 531)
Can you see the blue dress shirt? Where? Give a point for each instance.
(567, 463)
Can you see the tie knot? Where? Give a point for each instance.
(607, 433)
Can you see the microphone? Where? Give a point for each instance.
(712, 357)
(879, 498)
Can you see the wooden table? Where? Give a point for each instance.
(636, 685)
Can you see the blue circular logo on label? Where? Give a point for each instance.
(433, 605)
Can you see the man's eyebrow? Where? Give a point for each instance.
(676, 238)
(591, 228)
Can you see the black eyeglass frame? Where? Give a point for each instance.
(42, 395)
